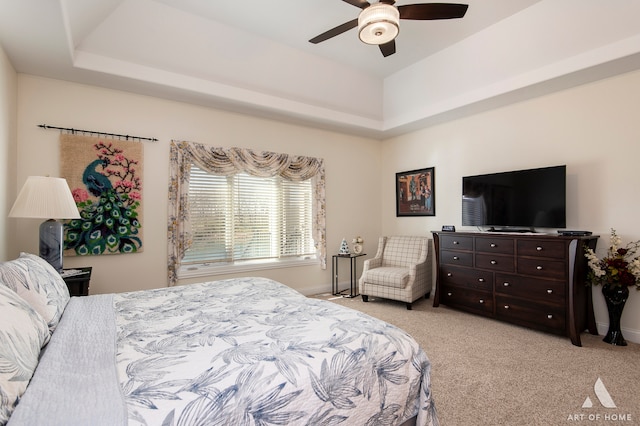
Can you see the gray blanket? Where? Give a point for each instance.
(76, 380)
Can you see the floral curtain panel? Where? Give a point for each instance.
(226, 162)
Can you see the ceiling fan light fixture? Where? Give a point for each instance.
(378, 23)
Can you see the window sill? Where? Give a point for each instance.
(204, 269)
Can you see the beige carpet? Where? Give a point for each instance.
(485, 372)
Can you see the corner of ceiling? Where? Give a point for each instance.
(468, 77)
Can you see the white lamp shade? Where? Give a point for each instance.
(45, 198)
(378, 23)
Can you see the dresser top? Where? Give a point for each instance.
(498, 234)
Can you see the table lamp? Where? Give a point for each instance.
(47, 198)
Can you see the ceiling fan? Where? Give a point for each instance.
(378, 23)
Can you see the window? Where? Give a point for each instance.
(243, 217)
(243, 223)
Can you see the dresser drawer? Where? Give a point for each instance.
(530, 314)
(543, 268)
(495, 245)
(542, 248)
(455, 242)
(466, 278)
(470, 300)
(547, 291)
(495, 262)
(459, 258)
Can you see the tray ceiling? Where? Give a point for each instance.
(254, 57)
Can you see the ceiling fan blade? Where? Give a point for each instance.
(429, 11)
(335, 31)
(388, 48)
(362, 4)
(391, 2)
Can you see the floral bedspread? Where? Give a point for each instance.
(252, 351)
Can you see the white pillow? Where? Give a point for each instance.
(37, 282)
(23, 333)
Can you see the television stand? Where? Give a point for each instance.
(536, 281)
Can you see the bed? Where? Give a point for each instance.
(246, 351)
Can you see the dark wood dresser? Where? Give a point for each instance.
(533, 280)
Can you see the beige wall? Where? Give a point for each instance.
(352, 168)
(593, 129)
(8, 106)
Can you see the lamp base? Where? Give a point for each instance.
(51, 239)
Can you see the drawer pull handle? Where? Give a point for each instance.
(449, 274)
(493, 262)
(456, 258)
(506, 306)
(493, 245)
(455, 243)
(539, 248)
(481, 280)
(550, 316)
(549, 291)
(449, 294)
(506, 284)
(481, 301)
(539, 268)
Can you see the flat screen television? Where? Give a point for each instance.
(516, 200)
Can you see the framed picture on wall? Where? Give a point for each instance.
(416, 193)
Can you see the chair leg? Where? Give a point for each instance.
(365, 298)
(409, 307)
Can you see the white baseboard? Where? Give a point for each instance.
(630, 334)
(315, 290)
(312, 291)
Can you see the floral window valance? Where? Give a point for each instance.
(226, 162)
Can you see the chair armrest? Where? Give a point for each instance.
(422, 264)
(376, 262)
(425, 255)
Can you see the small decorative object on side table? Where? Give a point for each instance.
(77, 280)
(344, 248)
(357, 244)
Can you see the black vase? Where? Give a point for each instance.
(615, 296)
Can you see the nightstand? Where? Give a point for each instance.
(78, 284)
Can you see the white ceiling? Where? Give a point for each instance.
(293, 23)
(254, 56)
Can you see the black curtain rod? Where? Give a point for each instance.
(73, 131)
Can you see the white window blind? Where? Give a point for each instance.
(243, 217)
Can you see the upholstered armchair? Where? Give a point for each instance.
(400, 271)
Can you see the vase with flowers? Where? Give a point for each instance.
(617, 271)
(357, 244)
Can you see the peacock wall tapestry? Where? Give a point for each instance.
(105, 178)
